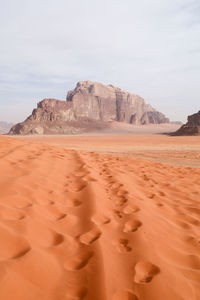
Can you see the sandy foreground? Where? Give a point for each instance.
(100, 218)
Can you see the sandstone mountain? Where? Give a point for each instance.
(89, 106)
(5, 127)
(192, 127)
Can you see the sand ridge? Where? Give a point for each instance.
(84, 225)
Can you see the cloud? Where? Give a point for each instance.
(148, 47)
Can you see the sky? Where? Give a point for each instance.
(147, 47)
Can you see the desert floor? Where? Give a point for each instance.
(100, 217)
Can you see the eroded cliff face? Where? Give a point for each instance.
(90, 105)
(192, 127)
(109, 103)
(49, 117)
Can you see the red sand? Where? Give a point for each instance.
(94, 226)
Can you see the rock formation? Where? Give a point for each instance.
(192, 127)
(89, 106)
(55, 117)
(5, 127)
(176, 122)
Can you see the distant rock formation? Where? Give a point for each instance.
(89, 106)
(192, 127)
(55, 117)
(5, 127)
(176, 122)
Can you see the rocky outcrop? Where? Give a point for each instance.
(176, 122)
(153, 117)
(54, 116)
(192, 127)
(89, 106)
(110, 103)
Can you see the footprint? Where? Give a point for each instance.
(99, 219)
(42, 235)
(116, 185)
(161, 193)
(77, 293)
(131, 226)
(89, 178)
(12, 246)
(159, 204)
(120, 201)
(43, 201)
(122, 193)
(74, 202)
(121, 245)
(181, 225)
(20, 203)
(78, 262)
(145, 177)
(81, 174)
(108, 176)
(90, 237)
(11, 214)
(124, 295)
(151, 196)
(50, 212)
(129, 209)
(77, 186)
(145, 271)
(193, 210)
(117, 214)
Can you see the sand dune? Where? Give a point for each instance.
(79, 225)
(182, 150)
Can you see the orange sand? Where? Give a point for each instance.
(88, 225)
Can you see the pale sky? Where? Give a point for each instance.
(147, 47)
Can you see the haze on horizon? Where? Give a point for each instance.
(148, 47)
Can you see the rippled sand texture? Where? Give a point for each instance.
(86, 225)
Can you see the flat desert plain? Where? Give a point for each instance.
(108, 217)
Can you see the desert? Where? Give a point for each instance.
(100, 217)
(99, 150)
